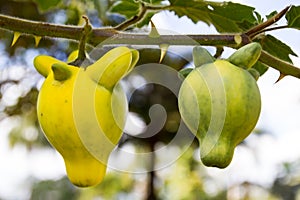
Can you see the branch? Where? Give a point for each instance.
(81, 47)
(284, 67)
(132, 20)
(186, 40)
(258, 29)
(115, 37)
(109, 35)
(271, 29)
(135, 19)
(45, 29)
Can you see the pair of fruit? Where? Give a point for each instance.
(82, 111)
(220, 102)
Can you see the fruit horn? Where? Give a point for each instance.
(43, 63)
(61, 71)
(114, 65)
(201, 56)
(246, 56)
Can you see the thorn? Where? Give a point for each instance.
(163, 51)
(153, 33)
(281, 76)
(37, 40)
(15, 38)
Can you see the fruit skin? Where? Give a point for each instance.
(82, 119)
(246, 56)
(220, 103)
(254, 73)
(202, 56)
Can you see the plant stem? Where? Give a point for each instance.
(39, 28)
(185, 40)
(271, 29)
(82, 43)
(109, 36)
(135, 19)
(132, 20)
(285, 68)
(115, 37)
(259, 28)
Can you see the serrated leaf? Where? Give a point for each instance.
(226, 16)
(127, 8)
(196, 11)
(259, 19)
(272, 14)
(293, 17)
(46, 5)
(277, 48)
(234, 14)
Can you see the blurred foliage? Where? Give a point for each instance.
(59, 190)
(113, 186)
(26, 131)
(186, 179)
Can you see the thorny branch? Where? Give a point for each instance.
(110, 35)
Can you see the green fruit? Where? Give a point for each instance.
(82, 112)
(246, 56)
(220, 104)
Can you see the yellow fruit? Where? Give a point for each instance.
(82, 111)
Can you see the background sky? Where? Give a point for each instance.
(280, 116)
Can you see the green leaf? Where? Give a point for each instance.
(230, 17)
(272, 14)
(293, 17)
(196, 11)
(259, 19)
(46, 5)
(226, 16)
(277, 48)
(153, 2)
(127, 8)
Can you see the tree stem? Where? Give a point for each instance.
(108, 36)
(99, 35)
(185, 40)
(132, 20)
(284, 67)
(82, 43)
(258, 29)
